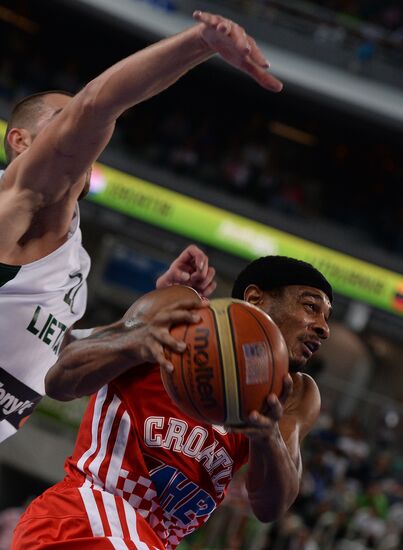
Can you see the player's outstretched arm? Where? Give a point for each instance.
(190, 268)
(275, 437)
(50, 169)
(85, 365)
(65, 149)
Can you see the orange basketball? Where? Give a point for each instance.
(235, 357)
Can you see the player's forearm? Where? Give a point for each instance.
(148, 72)
(84, 127)
(272, 480)
(84, 366)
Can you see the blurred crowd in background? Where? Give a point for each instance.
(372, 29)
(387, 14)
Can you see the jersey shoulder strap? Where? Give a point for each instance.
(8, 273)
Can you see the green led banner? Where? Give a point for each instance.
(3, 127)
(243, 237)
(240, 236)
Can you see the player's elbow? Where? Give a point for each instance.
(273, 508)
(54, 387)
(267, 513)
(88, 112)
(97, 103)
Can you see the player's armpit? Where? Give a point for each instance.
(16, 214)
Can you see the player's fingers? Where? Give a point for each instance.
(165, 339)
(186, 269)
(170, 318)
(197, 260)
(209, 19)
(287, 390)
(180, 275)
(209, 290)
(207, 279)
(256, 54)
(198, 255)
(204, 285)
(187, 303)
(199, 277)
(265, 79)
(240, 39)
(174, 276)
(225, 27)
(187, 256)
(185, 311)
(166, 365)
(273, 409)
(163, 360)
(255, 425)
(154, 352)
(190, 259)
(203, 267)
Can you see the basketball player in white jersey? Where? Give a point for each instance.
(52, 141)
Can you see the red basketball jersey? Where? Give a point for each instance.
(135, 443)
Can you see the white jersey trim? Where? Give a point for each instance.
(93, 514)
(99, 402)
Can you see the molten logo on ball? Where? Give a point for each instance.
(203, 371)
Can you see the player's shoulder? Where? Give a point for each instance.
(5, 179)
(305, 400)
(304, 386)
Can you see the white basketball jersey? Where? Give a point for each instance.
(39, 301)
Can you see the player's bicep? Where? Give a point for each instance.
(60, 155)
(80, 134)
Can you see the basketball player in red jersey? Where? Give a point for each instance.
(51, 143)
(143, 474)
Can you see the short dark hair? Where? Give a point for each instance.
(272, 272)
(25, 112)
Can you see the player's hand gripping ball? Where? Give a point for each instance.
(235, 356)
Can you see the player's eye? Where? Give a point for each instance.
(311, 306)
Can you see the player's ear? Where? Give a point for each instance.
(254, 295)
(19, 139)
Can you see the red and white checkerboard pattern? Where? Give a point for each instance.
(142, 496)
(140, 493)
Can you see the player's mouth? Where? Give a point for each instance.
(309, 347)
